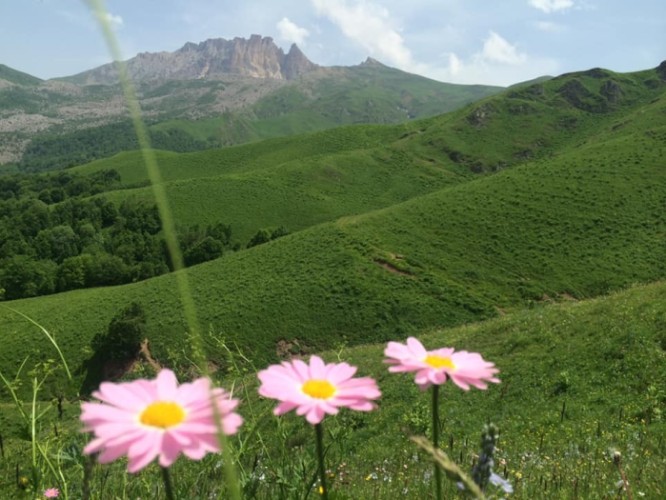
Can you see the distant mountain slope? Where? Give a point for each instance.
(17, 77)
(584, 217)
(210, 94)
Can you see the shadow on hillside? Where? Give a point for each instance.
(99, 368)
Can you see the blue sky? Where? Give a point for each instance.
(460, 41)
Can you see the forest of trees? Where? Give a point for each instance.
(51, 152)
(55, 237)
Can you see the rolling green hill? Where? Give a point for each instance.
(582, 214)
(350, 170)
(295, 182)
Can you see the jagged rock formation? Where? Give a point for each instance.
(256, 57)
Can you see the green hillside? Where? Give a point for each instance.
(368, 93)
(350, 170)
(578, 380)
(583, 218)
(295, 182)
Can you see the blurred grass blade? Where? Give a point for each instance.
(448, 466)
(48, 336)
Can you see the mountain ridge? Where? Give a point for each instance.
(215, 58)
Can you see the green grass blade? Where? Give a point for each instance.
(48, 336)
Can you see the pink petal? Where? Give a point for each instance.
(315, 415)
(98, 412)
(284, 407)
(340, 372)
(194, 393)
(231, 423)
(121, 396)
(144, 450)
(170, 449)
(112, 453)
(416, 347)
(167, 385)
(317, 368)
(300, 369)
(396, 350)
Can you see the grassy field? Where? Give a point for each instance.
(580, 379)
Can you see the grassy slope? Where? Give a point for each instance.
(603, 359)
(308, 179)
(588, 220)
(313, 178)
(297, 182)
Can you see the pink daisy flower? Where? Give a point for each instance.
(51, 493)
(316, 389)
(464, 368)
(148, 419)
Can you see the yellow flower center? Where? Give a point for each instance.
(439, 362)
(320, 389)
(162, 414)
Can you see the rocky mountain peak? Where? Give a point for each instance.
(256, 57)
(372, 63)
(296, 64)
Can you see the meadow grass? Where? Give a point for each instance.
(580, 380)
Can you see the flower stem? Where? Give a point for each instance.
(166, 477)
(320, 456)
(435, 439)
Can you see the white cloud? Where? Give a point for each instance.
(497, 49)
(496, 62)
(113, 20)
(549, 6)
(454, 64)
(291, 32)
(369, 25)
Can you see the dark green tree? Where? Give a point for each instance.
(124, 335)
(57, 243)
(22, 276)
(206, 249)
(71, 274)
(261, 236)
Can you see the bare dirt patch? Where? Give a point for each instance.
(392, 268)
(148, 357)
(288, 349)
